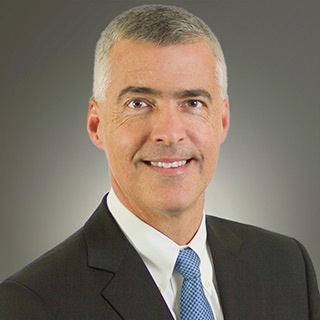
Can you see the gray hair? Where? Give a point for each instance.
(158, 24)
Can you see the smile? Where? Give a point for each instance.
(168, 165)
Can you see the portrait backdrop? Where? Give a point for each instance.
(52, 177)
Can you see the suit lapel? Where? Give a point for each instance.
(240, 290)
(130, 289)
(133, 293)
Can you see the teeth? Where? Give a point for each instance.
(168, 165)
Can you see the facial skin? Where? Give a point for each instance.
(161, 127)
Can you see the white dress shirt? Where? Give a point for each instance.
(159, 253)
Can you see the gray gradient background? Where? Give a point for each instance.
(52, 177)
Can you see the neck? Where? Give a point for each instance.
(179, 226)
(181, 229)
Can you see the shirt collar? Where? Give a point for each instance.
(158, 252)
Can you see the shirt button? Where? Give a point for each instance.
(207, 284)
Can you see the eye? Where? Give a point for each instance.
(194, 103)
(137, 104)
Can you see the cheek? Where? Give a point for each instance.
(207, 140)
(206, 134)
(122, 143)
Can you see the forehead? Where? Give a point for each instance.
(138, 63)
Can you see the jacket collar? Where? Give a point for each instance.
(130, 289)
(240, 290)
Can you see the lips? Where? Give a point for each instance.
(168, 165)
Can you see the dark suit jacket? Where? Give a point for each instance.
(96, 274)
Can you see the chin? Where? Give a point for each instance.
(176, 206)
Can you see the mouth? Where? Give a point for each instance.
(168, 164)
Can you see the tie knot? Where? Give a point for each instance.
(187, 264)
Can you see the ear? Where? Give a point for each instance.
(93, 122)
(225, 119)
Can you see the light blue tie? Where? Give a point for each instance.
(193, 303)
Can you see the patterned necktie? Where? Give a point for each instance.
(193, 303)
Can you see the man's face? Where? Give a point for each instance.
(161, 125)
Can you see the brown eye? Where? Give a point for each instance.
(194, 104)
(137, 104)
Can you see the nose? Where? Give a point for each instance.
(168, 125)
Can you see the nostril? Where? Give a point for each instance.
(168, 126)
(169, 139)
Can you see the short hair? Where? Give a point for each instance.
(159, 24)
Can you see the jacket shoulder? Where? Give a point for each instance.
(281, 262)
(251, 235)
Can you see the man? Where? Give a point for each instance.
(160, 112)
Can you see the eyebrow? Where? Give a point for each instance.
(193, 93)
(138, 90)
(183, 94)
